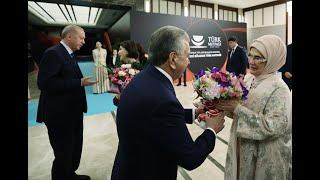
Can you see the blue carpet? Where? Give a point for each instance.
(97, 103)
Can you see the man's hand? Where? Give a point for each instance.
(87, 82)
(200, 108)
(288, 75)
(215, 122)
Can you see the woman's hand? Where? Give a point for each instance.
(227, 105)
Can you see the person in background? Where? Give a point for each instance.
(32, 67)
(143, 58)
(184, 79)
(63, 101)
(115, 58)
(286, 70)
(128, 52)
(101, 74)
(260, 143)
(237, 58)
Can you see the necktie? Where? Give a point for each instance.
(72, 55)
(231, 53)
(172, 90)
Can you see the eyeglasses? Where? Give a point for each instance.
(257, 59)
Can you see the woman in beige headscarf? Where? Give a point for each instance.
(260, 138)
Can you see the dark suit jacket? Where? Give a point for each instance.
(238, 62)
(59, 80)
(153, 137)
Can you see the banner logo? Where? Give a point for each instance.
(197, 40)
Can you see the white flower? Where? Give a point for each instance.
(211, 91)
(126, 66)
(121, 73)
(132, 72)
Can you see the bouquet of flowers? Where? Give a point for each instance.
(120, 77)
(213, 85)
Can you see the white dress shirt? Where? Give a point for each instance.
(67, 47)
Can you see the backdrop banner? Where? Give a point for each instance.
(208, 37)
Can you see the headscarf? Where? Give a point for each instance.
(273, 49)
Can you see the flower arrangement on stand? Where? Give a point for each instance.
(214, 85)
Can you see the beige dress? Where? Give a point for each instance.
(260, 138)
(101, 73)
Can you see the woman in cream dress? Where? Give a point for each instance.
(99, 56)
(260, 138)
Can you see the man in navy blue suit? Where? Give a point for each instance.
(62, 103)
(237, 58)
(151, 122)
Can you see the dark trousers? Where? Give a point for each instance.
(66, 141)
(184, 78)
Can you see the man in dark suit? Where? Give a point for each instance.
(237, 58)
(63, 101)
(151, 122)
(286, 70)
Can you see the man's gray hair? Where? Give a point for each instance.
(165, 40)
(69, 29)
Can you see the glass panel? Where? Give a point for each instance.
(220, 14)
(178, 9)
(163, 7)
(204, 12)
(192, 10)
(155, 6)
(210, 13)
(198, 11)
(171, 7)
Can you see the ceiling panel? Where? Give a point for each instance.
(87, 14)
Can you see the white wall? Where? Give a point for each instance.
(289, 29)
(268, 20)
(280, 14)
(254, 33)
